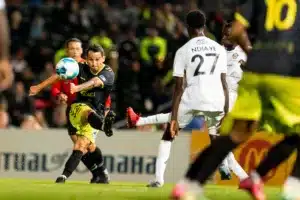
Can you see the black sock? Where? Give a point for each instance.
(277, 154)
(296, 170)
(95, 120)
(97, 159)
(87, 161)
(208, 161)
(72, 163)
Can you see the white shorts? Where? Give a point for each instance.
(212, 118)
(232, 99)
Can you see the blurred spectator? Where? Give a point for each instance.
(153, 50)
(21, 108)
(128, 74)
(18, 31)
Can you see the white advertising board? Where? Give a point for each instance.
(129, 155)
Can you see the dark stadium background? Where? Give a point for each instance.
(38, 29)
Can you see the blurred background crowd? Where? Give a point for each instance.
(140, 38)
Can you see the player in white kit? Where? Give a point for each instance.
(235, 57)
(202, 61)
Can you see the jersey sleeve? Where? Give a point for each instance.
(2, 5)
(245, 12)
(179, 63)
(223, 60)
(107, 77)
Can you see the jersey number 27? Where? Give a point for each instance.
(213, 67)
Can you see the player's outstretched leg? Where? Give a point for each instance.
(164, 151)
(80, 147)
(134, 119)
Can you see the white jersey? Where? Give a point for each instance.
(2, 4)
(234, 71)
(203, 60)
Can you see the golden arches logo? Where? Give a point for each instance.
(252, 154)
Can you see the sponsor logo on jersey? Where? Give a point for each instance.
(235, 55)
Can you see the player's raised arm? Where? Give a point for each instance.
(178, 73)
(6, 72)
(35, 89)
(241, 23)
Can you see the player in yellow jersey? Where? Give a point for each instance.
(267, 94)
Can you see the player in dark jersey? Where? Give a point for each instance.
(61, 92)
(87, 114)
(266, 93)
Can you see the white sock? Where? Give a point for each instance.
(161, 161)
(291, 189)
(154, 119)
(235, 167)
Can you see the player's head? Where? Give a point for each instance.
(226, 32)
(74, 48)
(95, 57)
(195, 21)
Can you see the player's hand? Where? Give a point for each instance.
(174, 128)
(73, 88)
(62, 98)
(34, 90)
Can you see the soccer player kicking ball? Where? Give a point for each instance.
(206, 94)
(266, 92)
(86, 114)
(61, 91)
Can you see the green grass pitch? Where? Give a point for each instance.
(16, 189)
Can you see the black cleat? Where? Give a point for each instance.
(101, 178)
(61, 179)
(108, 122)
(154, 184)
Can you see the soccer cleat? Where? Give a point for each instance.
(108, 122)
(61, 179)
(225, 174)
(132, 118)
(254, 186)
(154, 184)
(101, 178)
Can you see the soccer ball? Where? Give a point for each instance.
(67, 68)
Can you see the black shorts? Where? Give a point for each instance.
(71, 129)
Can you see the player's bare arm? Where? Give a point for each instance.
(94, 82)
(226, 92)
(5, 68)
(35, 89)
(175, 104)
(239, 35)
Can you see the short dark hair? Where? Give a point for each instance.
(95, 48)
(72, 40)
(196, 19)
